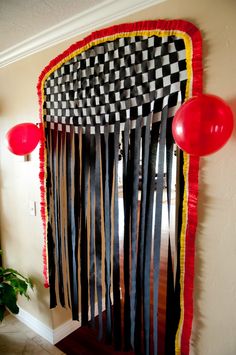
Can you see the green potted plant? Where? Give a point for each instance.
(12, 284)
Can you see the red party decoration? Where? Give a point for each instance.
(23, 138)
(202, 125)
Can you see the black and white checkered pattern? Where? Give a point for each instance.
(116, 81)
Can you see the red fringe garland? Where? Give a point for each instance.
(192, 213)
(42, 179)
(173, 26)
(189, 254)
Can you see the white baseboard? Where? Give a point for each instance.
(51, 335)
(36, 325)
(65, 329)
(57, 334)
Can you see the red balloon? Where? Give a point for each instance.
(23, 138)
(202, 125)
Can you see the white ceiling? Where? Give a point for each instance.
(29, 26)
(21, 19)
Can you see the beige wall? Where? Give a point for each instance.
(21, 234)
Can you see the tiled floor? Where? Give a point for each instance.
(17, 338)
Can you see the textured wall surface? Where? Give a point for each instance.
(25, 18)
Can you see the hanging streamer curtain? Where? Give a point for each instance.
(111, 98)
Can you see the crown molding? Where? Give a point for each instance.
(97, 16)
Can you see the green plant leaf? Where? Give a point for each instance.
(14, 272)
(2, 311)
(20, 286)
(12, 283)
(11, 274)
(8, 297)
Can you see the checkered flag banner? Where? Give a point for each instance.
(117, 81)
(106, 108)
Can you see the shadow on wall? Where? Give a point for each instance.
(206, 201)
(40, 293)
(232, 104)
